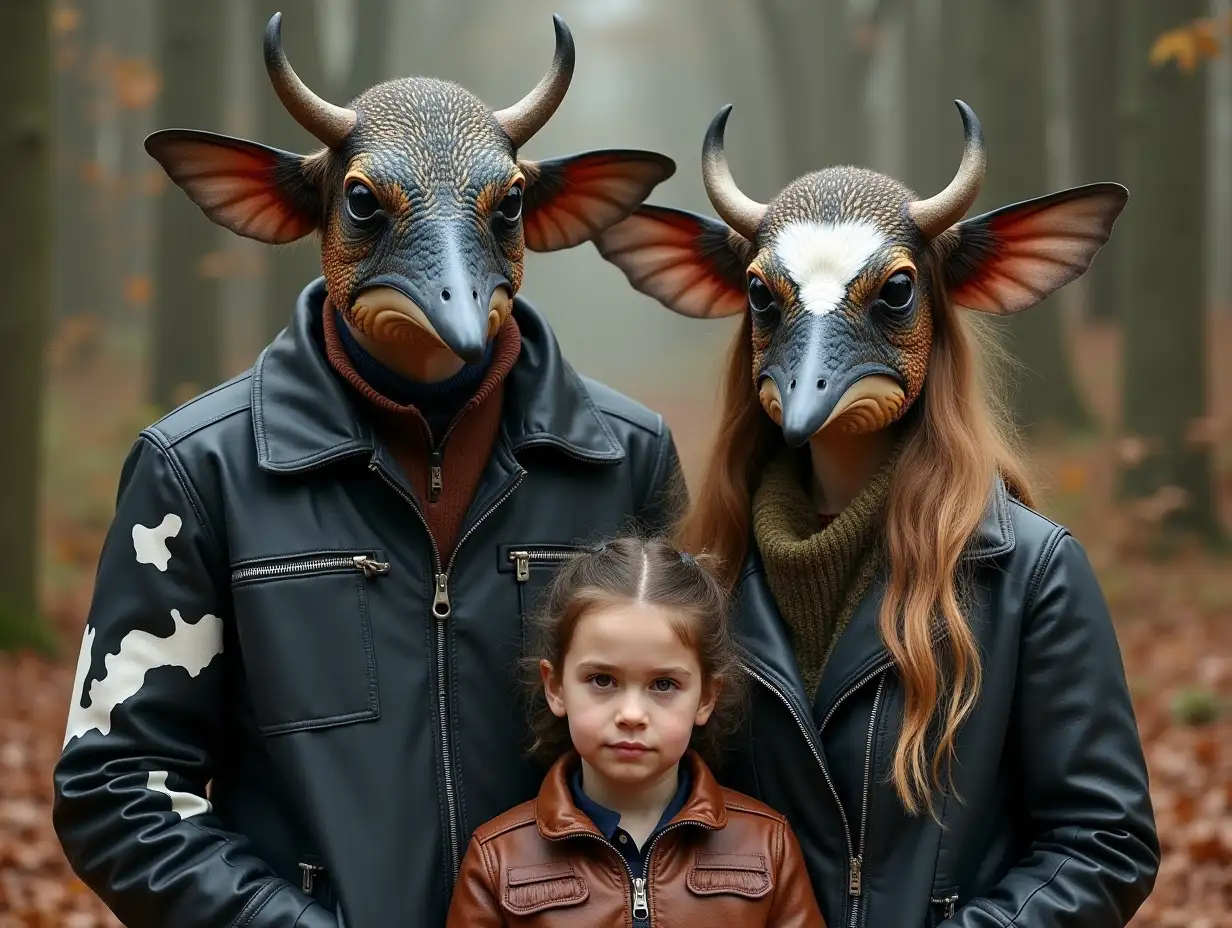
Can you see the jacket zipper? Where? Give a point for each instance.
(854, 878)
(639, 885)
(441, 609)
(855, 886)
(370, 567)
(521, 560)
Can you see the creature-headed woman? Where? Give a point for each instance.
(939, 704)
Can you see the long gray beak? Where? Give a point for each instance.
(825, 356)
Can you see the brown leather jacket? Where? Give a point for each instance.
(725, 859)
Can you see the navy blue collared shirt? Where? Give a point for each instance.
(608, 822)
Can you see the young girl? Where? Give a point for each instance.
(635, 679)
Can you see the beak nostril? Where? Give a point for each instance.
(445, 295)
(821, 383)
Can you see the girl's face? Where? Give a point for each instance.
(631, 690)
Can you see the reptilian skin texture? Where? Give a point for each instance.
(439, 164)
(858, 327)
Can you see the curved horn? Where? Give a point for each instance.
(528, 115)
(737, 210)
(327, 122)
(936, 214)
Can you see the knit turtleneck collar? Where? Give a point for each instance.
(818, 568)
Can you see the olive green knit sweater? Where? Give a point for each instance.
(818, 572)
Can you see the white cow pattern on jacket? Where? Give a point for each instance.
(191, 646)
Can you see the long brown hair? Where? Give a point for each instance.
(957, 438)
(635, 568)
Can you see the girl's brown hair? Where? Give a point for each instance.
(957, 439)
(648, 570)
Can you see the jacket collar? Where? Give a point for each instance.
(304, 417)
(557, 816)
(859, 652)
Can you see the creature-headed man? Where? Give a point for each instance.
(295, 696)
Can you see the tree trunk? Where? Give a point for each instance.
(1010, 104)
(1164, 371)
(78, 186)
(185, 353)
(930, 116)
(1094, 56)
(816, 61)
(25, 263)
(291, 268)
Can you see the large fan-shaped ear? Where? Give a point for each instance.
(1010, 259)
(691, 264)
(571, 200)
(253, 190)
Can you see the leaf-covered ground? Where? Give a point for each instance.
(1174, 620)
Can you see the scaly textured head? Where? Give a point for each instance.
(841, 271)
(423, 208)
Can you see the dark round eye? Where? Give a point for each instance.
(511, 206)
(361, 203)
(761, 300)
(896, 292)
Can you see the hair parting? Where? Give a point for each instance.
(651, 571)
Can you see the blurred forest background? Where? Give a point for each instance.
(123, 301)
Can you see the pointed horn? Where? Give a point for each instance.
(331, 124)
(936, 214)
(737, 210)
(531, 113)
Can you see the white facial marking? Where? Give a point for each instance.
(185, 805)
(151, 543)
(189, 646)
(823, 258)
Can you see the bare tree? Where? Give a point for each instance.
(1163, 113)
(820, 51)
(293, 267)
(25, 262)
(1094, 56)
(185, 352)
(1009, 99)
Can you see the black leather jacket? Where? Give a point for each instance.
(271, 619)
(1053, 826)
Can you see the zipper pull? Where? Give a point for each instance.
(521, 560)
(309, 872)
(854, 882)
(437, 481)
(440, 602)
(369, 566)
(641, 906)
(949, 903)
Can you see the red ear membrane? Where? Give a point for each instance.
(571, 200)
(254, 191)
(691, 264)
(1010, 259)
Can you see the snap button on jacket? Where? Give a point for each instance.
(724, 859)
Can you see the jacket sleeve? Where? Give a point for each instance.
(145, 722)
(667, 496)
(1095, 851)
(794, 905)
(474, 897)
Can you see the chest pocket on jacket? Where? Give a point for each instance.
(306, 637)
(525, 890)
(532, 567)
(736, 874)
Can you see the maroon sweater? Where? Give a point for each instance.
(468, 441)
